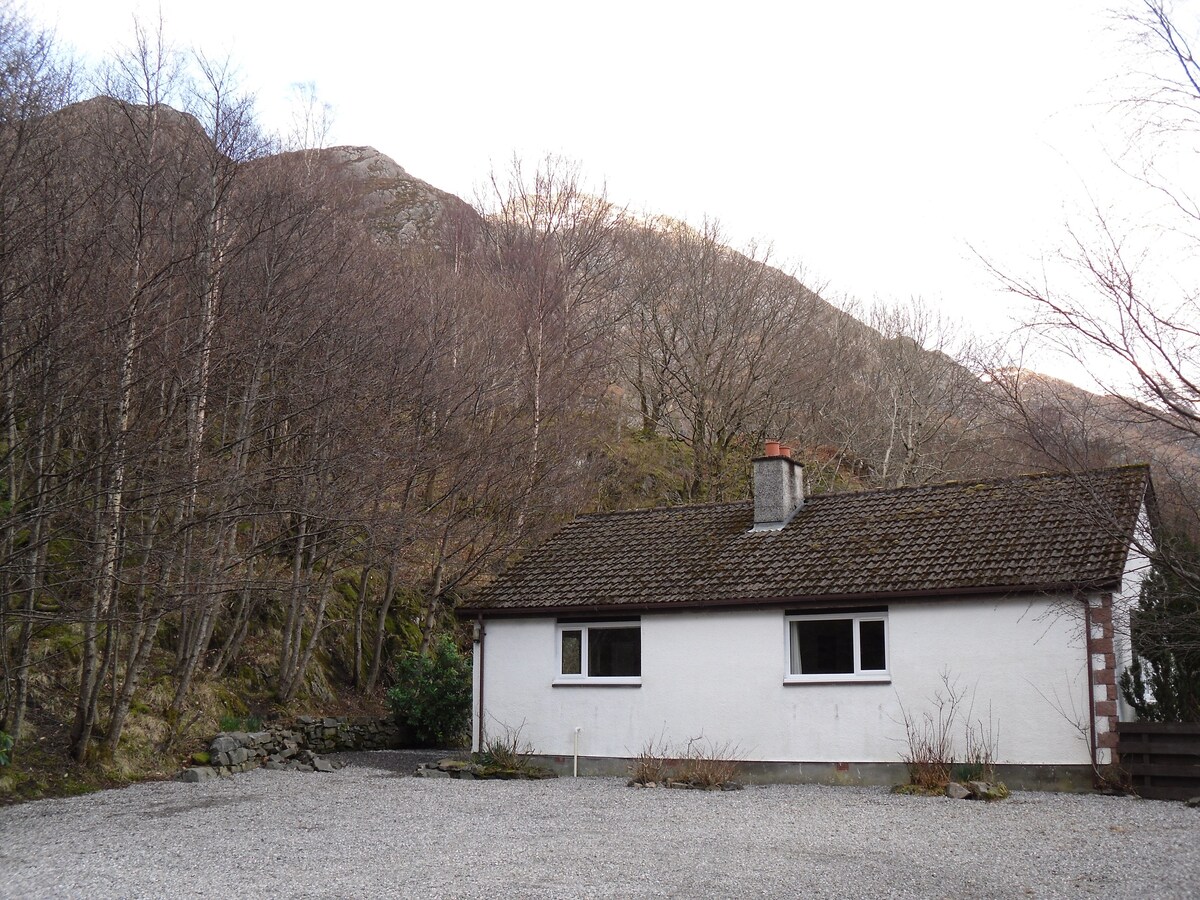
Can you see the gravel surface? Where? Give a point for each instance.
(368, 830)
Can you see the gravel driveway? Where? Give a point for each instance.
(368, 830)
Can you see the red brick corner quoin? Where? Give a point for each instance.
(1103, 665)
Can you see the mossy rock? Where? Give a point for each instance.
(996, 790)
(201, 758)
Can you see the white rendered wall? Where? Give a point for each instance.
(720, 674)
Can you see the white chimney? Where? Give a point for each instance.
(778, 487)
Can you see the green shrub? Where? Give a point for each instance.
(241, 723)
(433, 693)
(6, 745)
(1163, 682)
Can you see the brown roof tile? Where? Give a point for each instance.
(1032, 532)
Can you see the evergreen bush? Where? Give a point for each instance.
(433, 693)
(1163, 682)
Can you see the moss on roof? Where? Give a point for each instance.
(1030, 532)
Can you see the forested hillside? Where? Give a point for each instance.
(269, 412)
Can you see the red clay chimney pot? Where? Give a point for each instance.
(772, 448)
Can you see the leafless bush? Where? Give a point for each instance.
(707, 764)
(930, 736)
(979, 757)
(701, 763)
(653, 762)
(930, 754)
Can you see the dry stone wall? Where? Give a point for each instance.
(297, 747)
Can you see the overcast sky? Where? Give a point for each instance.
(874, 144)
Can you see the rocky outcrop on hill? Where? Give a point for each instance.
(396, 207)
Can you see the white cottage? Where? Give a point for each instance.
(800, 628)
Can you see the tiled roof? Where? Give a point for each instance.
(1031, 532)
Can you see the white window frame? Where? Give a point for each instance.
(859, 675)
(584, 678)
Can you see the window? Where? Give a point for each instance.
(837, 646)
(599, 653)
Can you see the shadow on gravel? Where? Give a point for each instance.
(399, 762)
(168, 810)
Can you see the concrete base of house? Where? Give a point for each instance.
(1066, 778)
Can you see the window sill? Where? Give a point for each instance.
(837, 679)
(596, 682)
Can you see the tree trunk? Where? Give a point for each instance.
(356, 676)
(389, 591)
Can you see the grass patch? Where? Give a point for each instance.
(240, 723)
(506, 751)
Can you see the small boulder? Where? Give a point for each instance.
(956, 791)
(197, 774)
(1194, 803)
(322, 765)
(223, 743)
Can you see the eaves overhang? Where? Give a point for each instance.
(943, 594)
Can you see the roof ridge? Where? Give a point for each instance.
(1001, 479)
(954, 482)
(650, 509)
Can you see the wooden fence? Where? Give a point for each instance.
(1163, 760)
